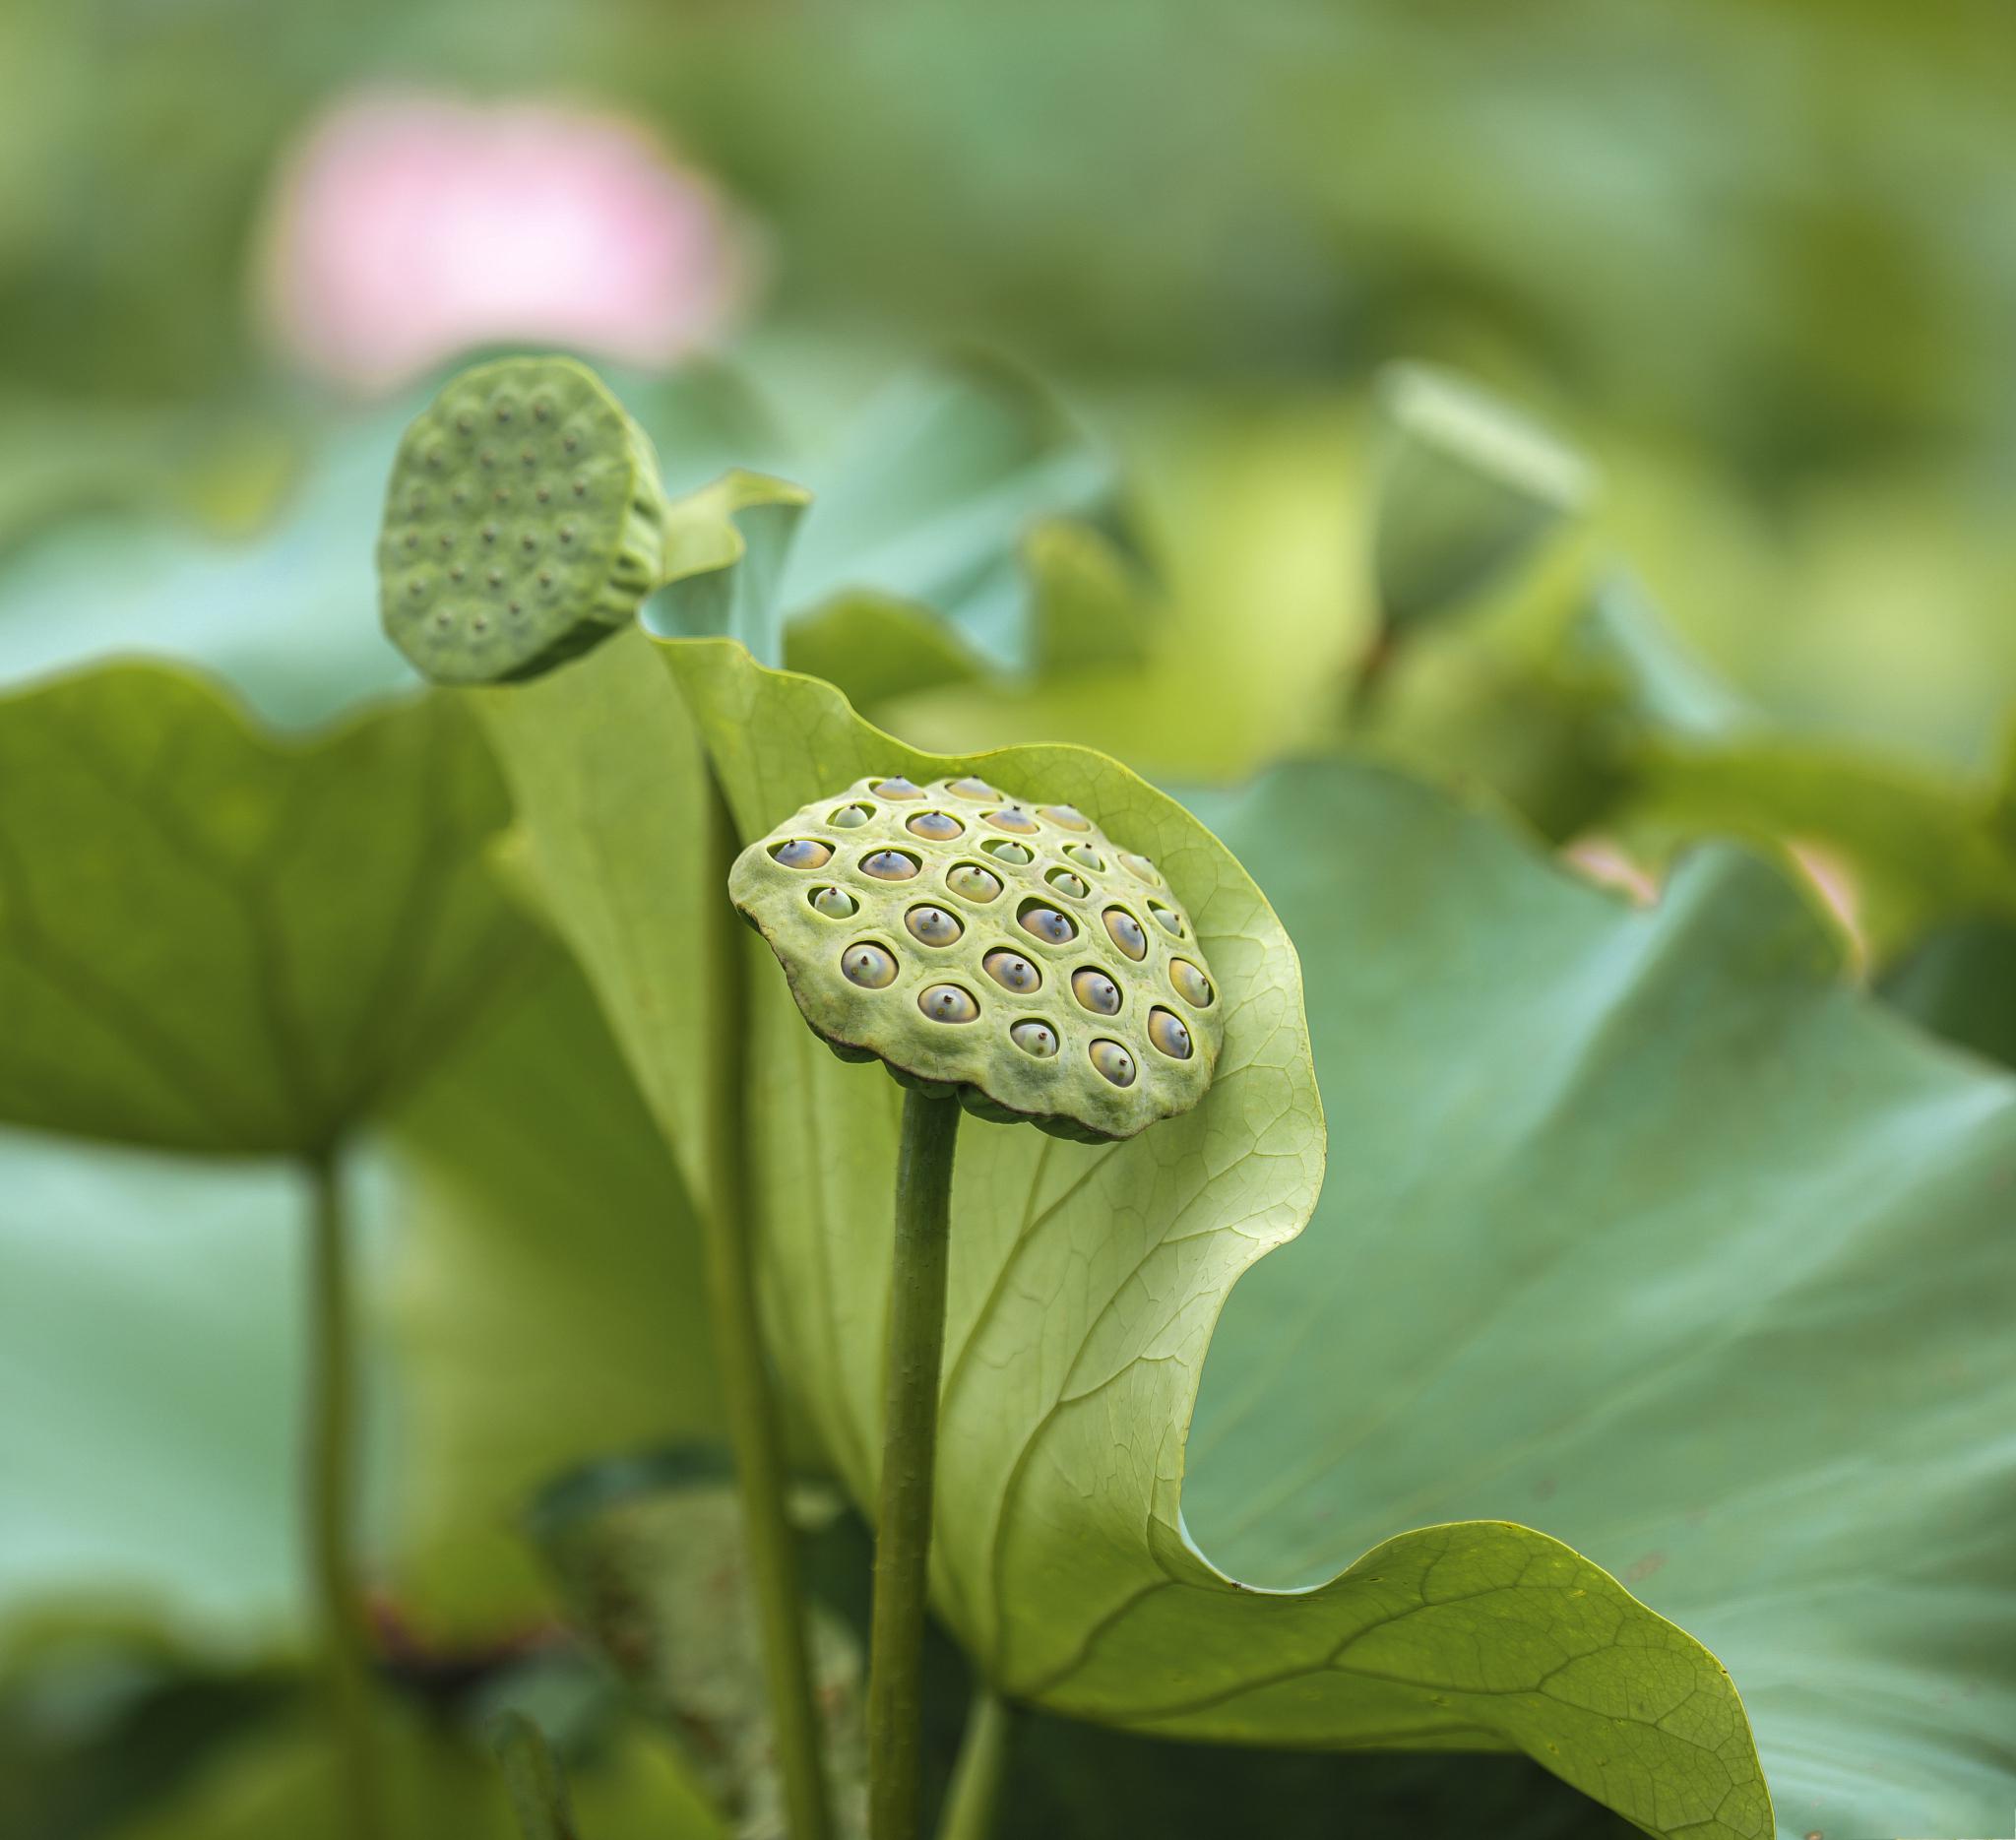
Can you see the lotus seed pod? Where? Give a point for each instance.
(522, 524)
(1047, 987)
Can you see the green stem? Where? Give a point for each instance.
(910, 1439)
(976, 1789)
(330, 1503)
(745, 1378)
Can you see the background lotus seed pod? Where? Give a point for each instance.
(1037, 986)
(522, 524)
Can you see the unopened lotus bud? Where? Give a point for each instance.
(1046, 987)
(1466, 489)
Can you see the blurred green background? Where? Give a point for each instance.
(1753, 256)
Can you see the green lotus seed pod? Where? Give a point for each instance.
(522, 524)
(977, 980)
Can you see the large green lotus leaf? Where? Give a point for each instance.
(540, 1218)
(1641, 1227)
(1083, 1291)
(213, 939)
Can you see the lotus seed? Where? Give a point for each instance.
(869, 967)
(1170, 922)
(1012, 972)
(834, 903)
(1068, 817)
(802, 853)
(947, 1002)
(1167, 1030)
(971, 787)
(1070, 886)
(1003, 851)
(1113, 1061)
(939, 826)
(1035, 1038)
(933, 925)
(1020, 822)
(1140, 867)
(1086, 857)
(1096, 992)
(975, 883)
(849, 817)
(897, 788)
(1192, 986)
(1047, 923)
(1124, 930)
(889, 866)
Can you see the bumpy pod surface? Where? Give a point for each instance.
(524, 522)
(1006, 951)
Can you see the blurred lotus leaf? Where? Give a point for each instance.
(217, 939)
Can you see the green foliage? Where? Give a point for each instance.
(1060, 1559)
(1641, 1227)
(215, 940)
(539, 1216)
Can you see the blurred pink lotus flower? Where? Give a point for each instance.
(407, 228)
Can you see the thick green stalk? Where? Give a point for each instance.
(331, 1504)
(745, 1378)
(976, 1789)
(909, 1441)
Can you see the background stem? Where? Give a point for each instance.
(331, 1505)
(910, 1438)
(976, 1788)
(751, 1407)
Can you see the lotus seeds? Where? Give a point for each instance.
(933, 925)
(869, 967)
(1012, 972)
(1124, 930)
(947, 1002)
(1047, 923)
(976, 884)
(1113, 1061)
(802, 853)
(1096, 1046)
(1096, 992)
(1035, 1038)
